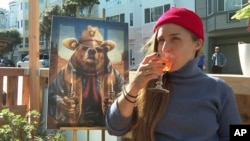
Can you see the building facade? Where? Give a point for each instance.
(220, 29)
(23, 27)
(140, 16)
(18, 18)
(3, 18)
(223, 31)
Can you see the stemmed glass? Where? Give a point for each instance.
(166, 58)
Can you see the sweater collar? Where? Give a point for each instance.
(190, 69)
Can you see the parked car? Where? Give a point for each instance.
(6, 63)
(43, 61)
(2, 65)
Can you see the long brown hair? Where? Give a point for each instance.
(150, 105)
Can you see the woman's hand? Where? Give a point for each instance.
(146, 71)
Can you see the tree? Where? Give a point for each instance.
(68, 9)
(15, 37)
(85, 7)
(243, 13)
(88, 5)
(45, 23)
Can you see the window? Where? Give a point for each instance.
(156, 13)
(21, 23)
(43, 56)
(166, 7)
(26, 7)
(152, 14)
(116, 18)
(51, 1)
(21, 6)
(147, 15)
(113, 18)
(122, 18)
(131, 55)
(131, 21)
(229, 15)
(41, 4)
(26, 58)
(26, 24)
(228, 5)
(210, 7)
(26, 40)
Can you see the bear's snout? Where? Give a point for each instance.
(91, 53)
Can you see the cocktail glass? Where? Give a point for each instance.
(167, 59)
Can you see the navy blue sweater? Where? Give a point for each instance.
(201, 108)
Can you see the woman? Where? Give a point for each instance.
(197, 108)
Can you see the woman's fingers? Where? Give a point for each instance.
(148, 58)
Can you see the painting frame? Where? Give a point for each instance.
(109, 41)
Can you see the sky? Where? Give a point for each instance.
(5, 4)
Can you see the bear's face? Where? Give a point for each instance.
(90, 52)
(89, 59)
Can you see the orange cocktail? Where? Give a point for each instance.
(168, 63)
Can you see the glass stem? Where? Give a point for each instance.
(159, 82)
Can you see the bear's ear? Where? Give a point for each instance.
(70, 43)
(108, 45)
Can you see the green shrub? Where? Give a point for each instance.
(28, 128)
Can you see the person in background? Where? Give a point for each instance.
(198, 107)
(201, 63)
(219, 60)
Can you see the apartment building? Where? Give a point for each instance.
(3, 13)
(19, 19)
(220, 29)
(223, 31)
(23, 27)
(140, 16)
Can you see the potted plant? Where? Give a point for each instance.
(244, 48)
(27, 128)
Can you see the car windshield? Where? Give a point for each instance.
(26, 58)
(42, 56)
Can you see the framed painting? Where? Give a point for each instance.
(88, 69)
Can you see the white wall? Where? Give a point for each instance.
(190, 4)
